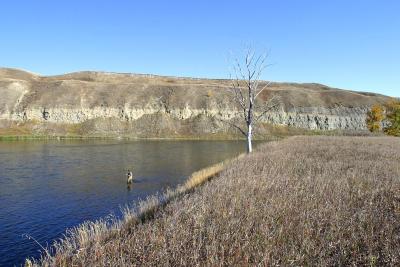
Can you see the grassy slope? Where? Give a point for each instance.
(300, 201)
(91, 89)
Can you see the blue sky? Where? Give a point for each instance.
(353, 44)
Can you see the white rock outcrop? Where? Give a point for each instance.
(313, 118)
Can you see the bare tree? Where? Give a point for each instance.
(246, 87)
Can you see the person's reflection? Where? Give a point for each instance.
(129, 187)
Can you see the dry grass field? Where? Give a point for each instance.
(313, 201)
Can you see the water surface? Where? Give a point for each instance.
(49, 186)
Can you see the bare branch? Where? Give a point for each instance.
(274, 102)
(260, 57)
(258, 75)
(234, 125)
(262, 89)
(249, 67)
(238, 69)
(238, 96)
(237, 93)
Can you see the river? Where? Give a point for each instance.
(49, 186)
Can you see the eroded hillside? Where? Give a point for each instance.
(99, 103)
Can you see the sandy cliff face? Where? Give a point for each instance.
(137, 104)
(307, 118)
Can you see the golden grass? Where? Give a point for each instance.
(203, 175)
(303, 201)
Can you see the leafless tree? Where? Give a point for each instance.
(246, 87)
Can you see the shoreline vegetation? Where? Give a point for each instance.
(304, 200)
(125, 138)
(273, 137)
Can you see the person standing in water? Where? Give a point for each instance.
(129, 177)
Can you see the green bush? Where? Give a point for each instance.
(393, 118)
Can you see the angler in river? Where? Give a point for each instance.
(129, 177)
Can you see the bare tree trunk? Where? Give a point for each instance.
(246, 89)
(249, 137)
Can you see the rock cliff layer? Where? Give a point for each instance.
(96, 103)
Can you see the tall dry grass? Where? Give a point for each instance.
(301, 201)
(79, 238)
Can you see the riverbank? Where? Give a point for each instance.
(300, 201)
(84, 137)
(48, 132)
(277, 134)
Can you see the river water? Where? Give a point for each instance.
(49, 186)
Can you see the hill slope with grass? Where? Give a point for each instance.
(101, 103)
(303, 201)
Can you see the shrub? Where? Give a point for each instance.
(393, 118)
(375, 117)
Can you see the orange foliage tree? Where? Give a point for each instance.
(375, 117)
